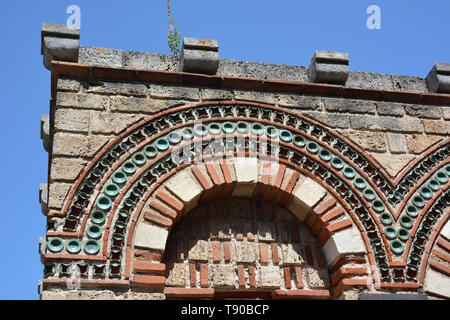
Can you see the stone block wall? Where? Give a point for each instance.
(90, 114)
(219, 247)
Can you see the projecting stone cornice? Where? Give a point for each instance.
(224, 82)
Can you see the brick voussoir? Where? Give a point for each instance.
(149, 267)
(156, 283)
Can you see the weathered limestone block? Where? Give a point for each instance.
(305, 196)
(68, 144)
(390, 109)
(185, 187)
(223, 275)
(344, 242)
(357, 79)
(199, 250)
(68, 85)
(292, 254)
(150, 237)
(409, 83)
(370, 141)
(438, 79)
(216, 94)
(101, 56)
(418, 143)
(245, 252)
(422, 111)
(329, 67)
(57, 194)
(333, 120)
(269, 277)
(261, 70)
(66, 168)
(107, 123)
(397, 143)
(118, 88)
(174, 92)
(392, 163)
(71, 120)
(436, 127)
(373, 123)
(148, 60)
(352, 106)
(317, 277)
(82, 100)
(177, 275)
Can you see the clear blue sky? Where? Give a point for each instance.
(413, 37)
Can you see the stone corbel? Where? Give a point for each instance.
(199, 56)
(438, 79)
(329, 67)
(59, 42)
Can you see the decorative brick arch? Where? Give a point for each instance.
(249, 177)
(316, 169)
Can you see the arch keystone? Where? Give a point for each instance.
(246, 175)
(305, 196)
(150, 237)
(347, 241)
(185, 187)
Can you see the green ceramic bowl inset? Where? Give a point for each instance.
(55, 244)
(111, 189)
(312, 147)
(257, 128)
(403, 234)
(94, 231)
(228, 127)
(91, 247)
(299, 141)
(242, 127)
(390, 233)
(119, 177)
(406, 222)
(104, 203)
(73, 246)
(369, 194)
(285, 136)
(349, 172)
(360, 183)
(129, 167)
(271, 132)
(98, 217)
(162, 144)
(397, 247)
(441, 176)
(325, 155)
(337, 163)
(412, 211)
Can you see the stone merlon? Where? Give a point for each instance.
(60, 43)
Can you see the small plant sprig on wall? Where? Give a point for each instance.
(174, 38)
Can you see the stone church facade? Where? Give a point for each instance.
(206, 178)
